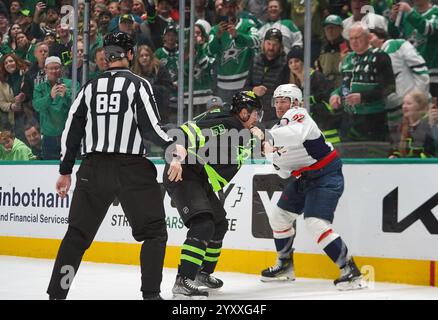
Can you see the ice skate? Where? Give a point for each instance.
(282, 271)
(204, 279)
(184, 288)
(351, 278)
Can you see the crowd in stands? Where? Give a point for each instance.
(374, 74)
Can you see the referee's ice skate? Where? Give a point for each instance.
(351, 278)
(184, 288)
(282, 271)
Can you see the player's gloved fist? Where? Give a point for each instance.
(257, 133)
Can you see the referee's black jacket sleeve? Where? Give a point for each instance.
(148, 118)
(71, 138)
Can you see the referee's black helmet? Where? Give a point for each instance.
(117, 45)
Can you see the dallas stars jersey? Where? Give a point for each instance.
(202, 78)
(169, 59)
(291, 34)
(369, 74)
(422, 31)
(300, 142)
(217, 146)
(409, 68)
(233, 56)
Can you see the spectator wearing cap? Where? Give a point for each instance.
(35, 76)
(291, 34)
(233, 42)
(264, 74)
(328, 119)
(52, 99)
(63, 44)
(125, 11)
(128, 25)
(214, 103)
(13, 149)
(31, 30)
(361, 14)
(168, 54)
(333, 49)
(410, 72)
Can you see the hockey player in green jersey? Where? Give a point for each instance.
(212, 161)
(419, 25)
(232, 42)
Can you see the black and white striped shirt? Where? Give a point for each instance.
(113, 113)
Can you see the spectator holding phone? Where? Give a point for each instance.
(52, 99)
(233, 42)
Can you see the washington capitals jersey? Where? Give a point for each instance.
(299, 141)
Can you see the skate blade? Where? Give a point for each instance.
(277, 279)
(208, 289)
(355, 284)
(180, 296)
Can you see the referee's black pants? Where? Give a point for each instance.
(100, 179)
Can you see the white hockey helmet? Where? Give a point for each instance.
(290, 91)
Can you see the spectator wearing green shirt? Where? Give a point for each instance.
(12, 149)
(52, 99)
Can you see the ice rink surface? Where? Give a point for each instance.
(27, 279)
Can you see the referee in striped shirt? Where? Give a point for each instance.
(109, 120)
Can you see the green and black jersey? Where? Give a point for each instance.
(217, 145)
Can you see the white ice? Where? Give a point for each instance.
(26, 278)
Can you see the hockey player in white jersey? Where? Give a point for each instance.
(298, 149)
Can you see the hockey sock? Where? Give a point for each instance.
(337, 251)
(284, 247)
(212, 256)
(192, 256)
